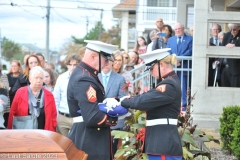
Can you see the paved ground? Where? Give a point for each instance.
(218, 154)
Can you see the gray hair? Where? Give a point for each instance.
(117, 52)
(230, 25)
(36, 69)
(153, 33)
(220, 33)
(180, 24)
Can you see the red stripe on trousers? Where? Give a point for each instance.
(163, 157)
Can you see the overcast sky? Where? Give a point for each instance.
(25, 21)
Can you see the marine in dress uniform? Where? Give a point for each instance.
(162, 106)
(91, 130)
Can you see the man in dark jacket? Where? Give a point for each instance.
(91, 129)
(231, 73)
(215, 63)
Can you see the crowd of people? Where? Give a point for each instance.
(103, 72)
(224, 72)
(24, 85)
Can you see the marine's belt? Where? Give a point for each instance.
(77, 119)
(160, 121)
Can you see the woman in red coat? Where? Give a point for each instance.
(35, 100)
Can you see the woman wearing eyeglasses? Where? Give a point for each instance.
(118, 68)
(125, 59)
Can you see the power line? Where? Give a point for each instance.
(27, 10)
(30, 12)
(88, 10)
(129, 4)
(63, 17)
(32, 2)
(13, 4)
(122, 4)
(72, 8)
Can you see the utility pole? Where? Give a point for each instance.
(87, 24)
(100, 27)
(100, 24)
(47, 31)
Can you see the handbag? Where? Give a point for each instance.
(25, 122)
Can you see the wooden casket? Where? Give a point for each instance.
(37, 144)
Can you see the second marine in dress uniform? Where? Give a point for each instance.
(162, 106)
(91, 130)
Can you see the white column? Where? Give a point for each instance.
(209, 101)
(182, 10)
(124, 30)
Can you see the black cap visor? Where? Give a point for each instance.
(150, 65)
(105, 55)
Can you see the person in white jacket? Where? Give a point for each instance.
(3, 104)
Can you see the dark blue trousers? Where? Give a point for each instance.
(184, 86)
(162, 157)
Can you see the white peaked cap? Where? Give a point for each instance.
(100, 46)
(155, 55)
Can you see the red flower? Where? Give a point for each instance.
(141, 134)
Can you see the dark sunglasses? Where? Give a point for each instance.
(126, 57)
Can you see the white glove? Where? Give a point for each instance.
(121, 99)
(111, 102)
(125, 115)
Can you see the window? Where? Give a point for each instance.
(190, 15)
(161, 3)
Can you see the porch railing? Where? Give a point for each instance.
(146, 81)
(166, 13)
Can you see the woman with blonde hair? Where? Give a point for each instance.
(14, 73)
(118, 68)
(126, 59)
(32, 61)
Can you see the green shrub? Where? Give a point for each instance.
(227, 122)
(235, 145)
